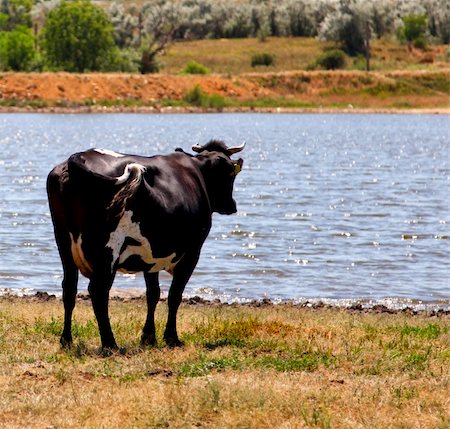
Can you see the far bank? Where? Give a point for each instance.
(297, 91)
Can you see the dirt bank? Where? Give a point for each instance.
(380, 91)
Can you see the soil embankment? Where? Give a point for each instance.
(316, 91)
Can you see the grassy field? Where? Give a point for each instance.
(241, 367)
(233, 56)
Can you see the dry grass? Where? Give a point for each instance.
(241, 367)
(233, 56)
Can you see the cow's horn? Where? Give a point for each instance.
(197, 148)
(236, 149)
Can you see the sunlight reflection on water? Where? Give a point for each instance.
(330, 206)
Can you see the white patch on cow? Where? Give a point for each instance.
(134, 168)
(109, 152)
(78, 256)
(128, 228)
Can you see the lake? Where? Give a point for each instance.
(332, 207)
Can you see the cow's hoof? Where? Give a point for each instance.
(174, 342)
(110, 351)
(66, 343)
(148, 340)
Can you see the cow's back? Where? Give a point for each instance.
(146, 212)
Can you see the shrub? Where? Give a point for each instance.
(122, 60)
(197, 97)
(17, 49)
(331, 60)
(194, 67)
(263, 59)
(420, 42)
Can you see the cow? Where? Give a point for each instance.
(116, 212)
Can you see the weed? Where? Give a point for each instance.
(193, 67)
(210, 395)
(307, 361)
(429, 331)
(417, 360)
(203, 366)
(402, 392)
(317, 417)
(197, 97)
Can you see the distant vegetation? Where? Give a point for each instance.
(332, 60)
(198, 98)
(193, 67)
(38, 35)
(263, 59)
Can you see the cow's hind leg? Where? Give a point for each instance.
(181, 275)
(69, 285)
(153, 294)
(99, 287)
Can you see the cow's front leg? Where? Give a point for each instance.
(181, 276)
(153, 294)
(99, 287)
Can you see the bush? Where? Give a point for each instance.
(17, 49)
(420, 42)
(197, 97)
(122, 60)
(263, 59)
(193, 67)
(331, 60)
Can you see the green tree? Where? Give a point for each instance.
(15, 13)
(78, 37)
(17, 49)
(413, 31)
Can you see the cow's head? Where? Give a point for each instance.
(219, 172)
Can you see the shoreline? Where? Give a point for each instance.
(227, 110)
(362, 306)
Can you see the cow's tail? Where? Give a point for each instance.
(128, 182)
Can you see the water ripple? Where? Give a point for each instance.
(350, 208)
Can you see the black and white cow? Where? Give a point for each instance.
(114, 212)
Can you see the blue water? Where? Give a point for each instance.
(338, 207)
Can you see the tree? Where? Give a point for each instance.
(16, 40)
(414, 29)
(350, 25)
(159, 23)
(78, 37)
(17, 49)
(125, 24)
(15, 13)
